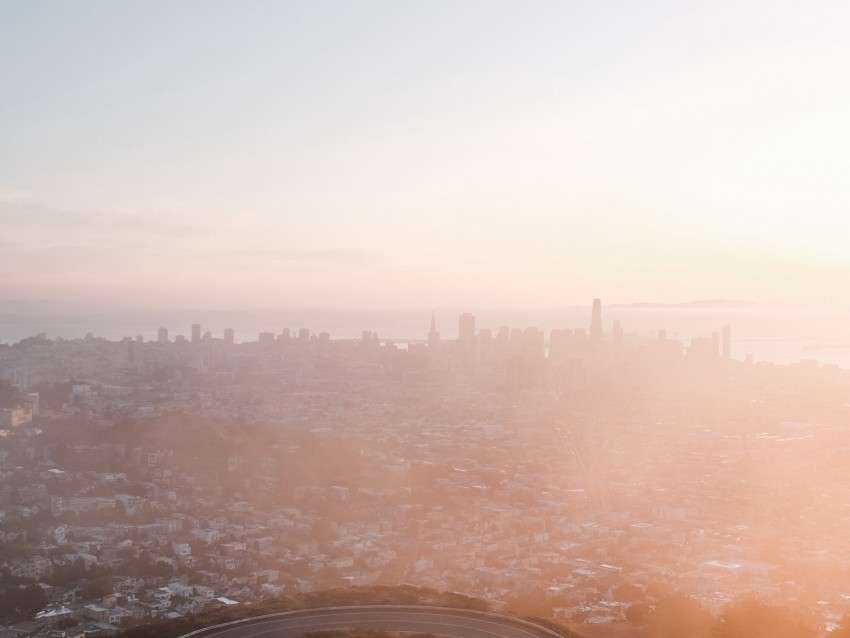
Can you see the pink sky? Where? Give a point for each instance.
(413, 155)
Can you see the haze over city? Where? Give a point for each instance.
(478, 319)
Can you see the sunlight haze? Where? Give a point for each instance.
(468, 319)
(385, 154)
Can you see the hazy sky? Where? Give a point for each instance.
(376, 154)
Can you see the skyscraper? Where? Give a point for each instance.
(466, 339)
(433, 335)
(196, 332)
(596, 321)
(228, 336)
(617, 335)
(466, 327)
(162, 335)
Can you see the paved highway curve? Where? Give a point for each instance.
(454, 623)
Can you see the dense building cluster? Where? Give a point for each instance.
(543, 472)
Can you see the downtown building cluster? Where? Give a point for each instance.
(187, 474)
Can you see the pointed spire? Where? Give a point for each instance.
(433, 335)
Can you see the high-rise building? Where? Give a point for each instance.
(433, 335)
(466, 327)
(617, 335)
(596, 321)
(466, 339)
(533, 344)
(130, 349)
(162, 335)
(196, 332)
(228, 336)
(727, 342)
(32, 402)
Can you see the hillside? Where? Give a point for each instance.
(353, 596)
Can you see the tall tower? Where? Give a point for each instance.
(466, 327)
(617, 335)
(596, 321)
(196, 332)
(228, 336)
(726, 351)
(433, 335)
(466, 339)
(162, 335)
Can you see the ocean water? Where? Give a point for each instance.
(779, 335)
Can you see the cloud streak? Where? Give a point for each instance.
(25, 214)
(13, 195)
(339, 256)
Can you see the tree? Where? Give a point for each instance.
(628, 593)
(10, 396)
(21, 601)
(532, 604)
(126, 553)
(163, 569)
(636, 614)
(749, 618)
(53, 396)
(657, 591)
(97, 588)
(678, 616)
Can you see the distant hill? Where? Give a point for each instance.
(699, 304)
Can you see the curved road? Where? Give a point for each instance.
(453, 623)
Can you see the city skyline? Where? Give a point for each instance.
(543, 477)
(535, 309)
(379, 155)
